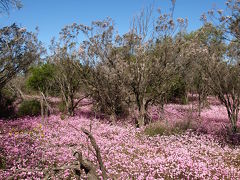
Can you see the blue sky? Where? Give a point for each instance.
(52, 15)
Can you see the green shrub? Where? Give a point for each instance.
(161, 128)
(29, 108)
(41, 78)
(158, 128)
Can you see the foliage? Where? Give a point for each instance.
(124, 71)
(29, 108)
(62, 116)
(221, 63)
(109, 95)
(178, 89)
(99, 72)
(157, 129)
(68, 69)
(7, 109)
(226, 86)
(19, 49)
(41, 78)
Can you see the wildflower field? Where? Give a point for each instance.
(31, 149)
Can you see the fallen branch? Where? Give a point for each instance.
(97, 150)
(98, 154)
(88, 167)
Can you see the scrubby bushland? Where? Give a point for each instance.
(41, 78)
(133, 70)
(29, 108)
(68, 68)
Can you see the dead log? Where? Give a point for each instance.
(97, 150)
(86, 165)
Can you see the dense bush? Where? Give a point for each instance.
(41, 79)
(29, 108)
(6, 104)
(178, 90)
(109, 96)
(112, 104)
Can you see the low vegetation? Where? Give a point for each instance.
(29, 108)
(164, 128)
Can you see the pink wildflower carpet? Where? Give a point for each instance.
(30, 149)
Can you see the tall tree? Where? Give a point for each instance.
(18, 49)
(100, 53)
(150, 62)
(41, 80)
(223, 69)
(67, 74)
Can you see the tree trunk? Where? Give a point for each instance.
(69, 106)
(185, 98)
(46, 112)
(42, 109)
(192, 105)
(234, 122)
(233, 117)
(199, 104)
(20, 93)
(48, 109)
(161, 111)
(142, 113)
(113, 118)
